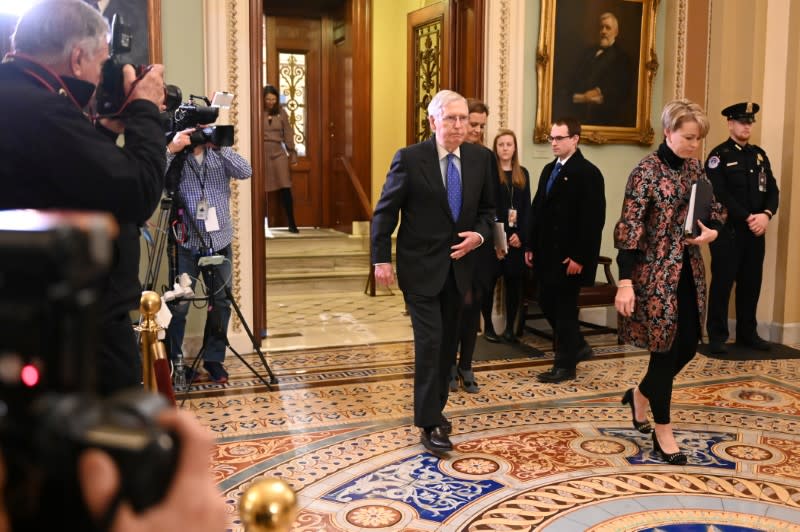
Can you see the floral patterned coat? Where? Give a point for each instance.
(653, 215)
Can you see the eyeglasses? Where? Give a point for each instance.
(557, 138)
(452, 119)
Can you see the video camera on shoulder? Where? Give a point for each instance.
(52, 269)
(110, 95)
(200, 112)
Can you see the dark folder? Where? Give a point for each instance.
(699, 207)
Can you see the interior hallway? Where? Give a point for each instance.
(528, 456)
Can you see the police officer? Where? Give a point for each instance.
(744, 184)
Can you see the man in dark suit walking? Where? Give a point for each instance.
(443, 189)
(566, 224)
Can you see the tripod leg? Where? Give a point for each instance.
(256, 344)
(193, 374)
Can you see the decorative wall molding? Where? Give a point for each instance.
(502, 65)
(222, 21)
(505, 71)
(680, 49)
(233, 84)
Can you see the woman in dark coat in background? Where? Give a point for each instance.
(513, 203)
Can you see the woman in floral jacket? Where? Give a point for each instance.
(661, 294)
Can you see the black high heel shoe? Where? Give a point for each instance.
(642, 426)
(673, 458)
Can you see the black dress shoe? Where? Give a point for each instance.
(672, 458)
(717, 348)
(436, 440)
(293, 229)
(757, 343)
(556, 375)
(491, 336)
(585, 353)
(509, 337)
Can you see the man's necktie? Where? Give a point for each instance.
(453, 187)
(552, 178)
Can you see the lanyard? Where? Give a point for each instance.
(201, 180)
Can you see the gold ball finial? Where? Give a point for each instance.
(149, 303)
(269, 505)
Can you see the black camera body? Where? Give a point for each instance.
(110, 95)
(191, 115)
(51, 268)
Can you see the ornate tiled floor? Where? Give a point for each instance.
(528, 456)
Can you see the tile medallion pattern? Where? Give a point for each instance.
(527, 456)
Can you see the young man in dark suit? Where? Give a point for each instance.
(443, 189)
(566, 225)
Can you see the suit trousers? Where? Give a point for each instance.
(665, 366)
(558, 298)
(469, 324)
(435, 322)
(736, 256)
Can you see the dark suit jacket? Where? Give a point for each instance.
(614, 73)
(414, 187)
(569, 221)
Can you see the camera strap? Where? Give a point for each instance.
(46, 78)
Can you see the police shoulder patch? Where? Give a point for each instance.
(713, 162)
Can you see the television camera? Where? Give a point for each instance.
(52, 268)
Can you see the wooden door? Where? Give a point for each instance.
(294, 66)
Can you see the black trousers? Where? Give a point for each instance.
(118, 364)
(435, 322)
(558, 298)
(665, 366)
(469, 325)
(736, 256)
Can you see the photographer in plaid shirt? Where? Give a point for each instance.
(205, 189)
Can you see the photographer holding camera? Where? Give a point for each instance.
(54, 154)
(204, 192)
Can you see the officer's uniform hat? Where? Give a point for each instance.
(744, 112)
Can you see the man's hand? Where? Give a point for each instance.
(470, 242)
(514, 241)
(384, 275)
(706, 235)
(180, 140)
(758, 223)
(594, 95)
(149, 87)
(529, 259)
(193, 501)
(573, 268)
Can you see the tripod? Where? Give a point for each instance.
(215, 326)
(173, 209)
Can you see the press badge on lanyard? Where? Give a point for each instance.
(512, 217)
(202, 209)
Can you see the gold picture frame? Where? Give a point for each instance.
(579, 55)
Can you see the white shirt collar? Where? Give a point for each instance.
(443, 152)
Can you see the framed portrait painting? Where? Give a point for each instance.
(144, 19)
(596, 61)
